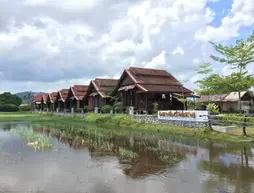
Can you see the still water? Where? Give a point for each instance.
(90, 161)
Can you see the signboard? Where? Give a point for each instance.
(199, 116)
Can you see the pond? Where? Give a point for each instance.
(87, 159)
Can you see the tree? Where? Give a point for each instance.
(238, 57)
(8, 98)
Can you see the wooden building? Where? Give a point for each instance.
(141, 87)
(51, 101)
(77, 96)
(60, 102)
(98, 92)
(44, 102)
(229, 102)
(36, 103)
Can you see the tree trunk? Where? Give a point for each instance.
(239, 100)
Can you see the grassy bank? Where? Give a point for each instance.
(181, 132)
(125, 124)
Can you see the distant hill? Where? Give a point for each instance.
(27, 96)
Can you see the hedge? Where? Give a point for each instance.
(25, 107)
(8, 108)
(236, 118)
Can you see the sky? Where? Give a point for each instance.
(48, 45)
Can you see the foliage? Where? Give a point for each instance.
(126, 154)
(8, 98)
(237, 56)
(118, 107)
(8, 108)
(106, 109)
(37, 141)
(213, 108)
(25, 107)
(85, 109)
(155, 107)
(236, 118)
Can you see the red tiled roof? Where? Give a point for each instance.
(154, 80)
(37, 98)
(79, 91)
(44, 98)
(63, 94)
(102, 86)
(52, 96)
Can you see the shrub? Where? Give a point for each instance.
(25, 107)
(155, 107)
(213, 108)
(118, 107)
(106, 109)
(236, 118)
(8, 108)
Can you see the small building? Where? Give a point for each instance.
(36, 103)
(44, 102)
(77, 96)
(229, 102)
(141, 87)
(51, 101)
(99, 91)
(60, 102)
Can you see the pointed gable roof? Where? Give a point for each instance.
(102, 86)
(37, 98)
(52, 97)
(153, 80)
(44, 98)
(79, 91)
(62, 95)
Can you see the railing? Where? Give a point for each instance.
(228, 121)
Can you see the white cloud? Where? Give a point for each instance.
(178, 50)
(53, 44)
(241, 15)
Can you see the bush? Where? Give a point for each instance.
(106, 109)
(8, 108)
(85, 109)
(236, 118)
(213, 108)
(25, 107)
(155, 107)
(118, 107)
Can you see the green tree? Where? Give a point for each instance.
(238, 57)
(8, 98)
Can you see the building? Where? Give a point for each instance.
(51, 101)
(229, 102)
(60, 102)
(99, 91)
(77, 96)
(44, 102)
(141, 87)
(36, 103)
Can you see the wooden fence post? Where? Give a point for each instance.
(244, 125)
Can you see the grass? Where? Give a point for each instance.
(126, 154)
(124, 125)
(35, 140)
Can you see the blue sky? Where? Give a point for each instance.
(47, 45)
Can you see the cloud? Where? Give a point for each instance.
(240, 15)
(47, 45)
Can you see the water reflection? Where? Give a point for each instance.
(87, 159)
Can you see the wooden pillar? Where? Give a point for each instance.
(78, 104)
(146, 103)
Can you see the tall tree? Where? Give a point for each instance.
(8, 98)
(238, 57)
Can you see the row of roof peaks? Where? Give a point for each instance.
(151, 80)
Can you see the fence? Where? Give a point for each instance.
(229, 123)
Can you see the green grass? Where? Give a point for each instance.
(126, 154)
(34, 140)
(125, 125)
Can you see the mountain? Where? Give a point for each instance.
(27, 96)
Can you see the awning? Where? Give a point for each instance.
(126, 88)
